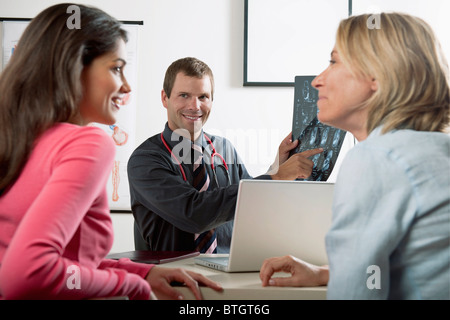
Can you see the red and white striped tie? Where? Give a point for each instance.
(205, 242)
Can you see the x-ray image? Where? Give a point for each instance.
(311, 133)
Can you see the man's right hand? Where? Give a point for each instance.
(298, 166)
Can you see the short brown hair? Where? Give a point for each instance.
(191, 67)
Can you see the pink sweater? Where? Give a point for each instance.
(55, 225)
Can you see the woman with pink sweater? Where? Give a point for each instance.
(55, 226)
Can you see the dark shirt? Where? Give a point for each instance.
(168, 211)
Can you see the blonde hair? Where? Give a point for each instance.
(406, 59)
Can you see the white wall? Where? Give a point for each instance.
(123, 224)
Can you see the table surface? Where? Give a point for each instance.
(244, 285)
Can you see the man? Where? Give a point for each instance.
(172, 213)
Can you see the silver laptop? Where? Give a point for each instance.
(275, 218)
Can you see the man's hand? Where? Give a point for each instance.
(296, 167)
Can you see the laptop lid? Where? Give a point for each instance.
(275, 218)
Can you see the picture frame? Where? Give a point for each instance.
(280, 41)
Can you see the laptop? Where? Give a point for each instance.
(276, 218)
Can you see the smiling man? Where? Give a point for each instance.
(188, 96)
(172, 211)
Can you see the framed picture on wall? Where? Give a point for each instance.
(286, 38)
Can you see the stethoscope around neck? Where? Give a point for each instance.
(213, 154)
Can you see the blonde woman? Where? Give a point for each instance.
(390, 234)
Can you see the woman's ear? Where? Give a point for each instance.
(374, 84)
